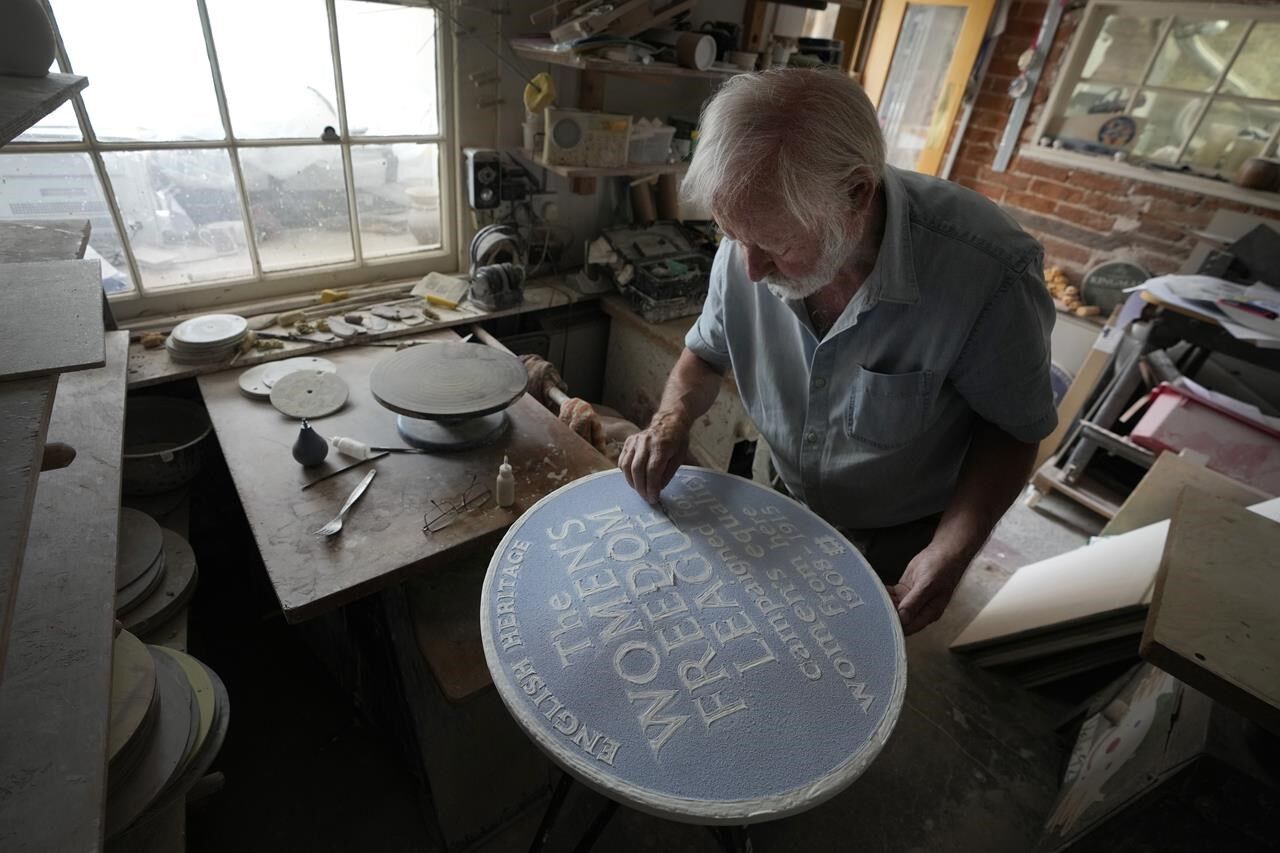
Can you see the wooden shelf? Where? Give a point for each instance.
(55, 703)
(542, 50)
(638, 170)
(26, 100)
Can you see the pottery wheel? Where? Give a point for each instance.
(133, 686)
(452, 435)
(139, 545)
(173, 592)
(309, 394)
(277, 370)
(725, 658)
(453, 381)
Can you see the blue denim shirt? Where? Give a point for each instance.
(869, 425)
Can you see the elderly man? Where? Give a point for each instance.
(888, 331)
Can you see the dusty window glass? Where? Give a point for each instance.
(1196, 53)
(182, 214)
(298, 203)
(56, 187)
(1122, 49)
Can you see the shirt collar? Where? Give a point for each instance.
(894, 275)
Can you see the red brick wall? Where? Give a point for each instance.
(1080, 216)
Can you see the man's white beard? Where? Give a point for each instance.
(834, 255)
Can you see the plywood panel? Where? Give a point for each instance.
(1156, 494)
(1114, 575)
(50, 317)
(54, 702)
(1215, 615)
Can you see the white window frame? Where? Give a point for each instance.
(260, 284)
(1069, 75)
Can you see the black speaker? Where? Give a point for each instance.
(484, 178)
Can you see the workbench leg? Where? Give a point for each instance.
(597, 826)
(552, 812)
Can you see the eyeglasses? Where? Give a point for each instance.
(448, 511)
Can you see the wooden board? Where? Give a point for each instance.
(1155, 496)
(1215, 615)
(50, 317)
(26, 100)
(55, 699)
(24, 420)
(152, 366)
(382, 539)
(1110, 577)
(23, 241)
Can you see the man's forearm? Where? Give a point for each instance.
(994, 471)
(690, 390)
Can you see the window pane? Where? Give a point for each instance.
(1256, 72)
(397, 197)
(298, 201)
(388, 68)
(1166, 122)
(46, 187)
(269, 98)
(1195, 53)
(58, 126)
(1122, 49)
(182, 213)
(917, 73)
(1230, 134)
(148, 68)
(1097, 98)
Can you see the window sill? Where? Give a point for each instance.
(1189, 183)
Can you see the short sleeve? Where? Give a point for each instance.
(706, 338)
(1003, 370)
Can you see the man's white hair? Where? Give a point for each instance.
(800, 135)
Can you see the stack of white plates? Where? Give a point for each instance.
(208, 339)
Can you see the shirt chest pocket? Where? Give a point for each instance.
(887, 410)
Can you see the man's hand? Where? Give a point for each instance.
(649, 458)
(926, 587)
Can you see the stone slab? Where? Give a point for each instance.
(725, 658)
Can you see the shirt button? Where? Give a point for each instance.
(811, 437)
(819, 382)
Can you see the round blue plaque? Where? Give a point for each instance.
(727, 657)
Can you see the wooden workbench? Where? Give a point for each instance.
(382, 540)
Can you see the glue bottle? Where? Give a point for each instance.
(505, 488)
(350, 447)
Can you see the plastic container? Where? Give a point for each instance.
(162, 437)
(1245, 450)
(650, 145)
